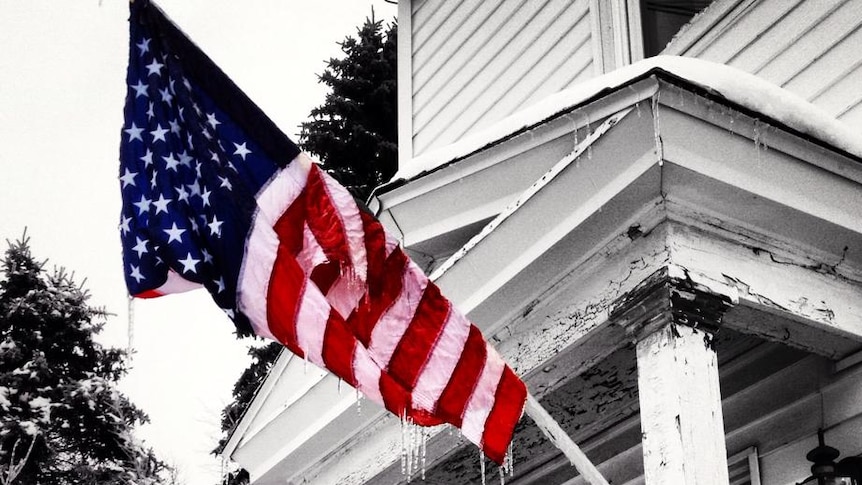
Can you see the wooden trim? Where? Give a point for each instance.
(596, 38)
(405, 82)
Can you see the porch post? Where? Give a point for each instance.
(673, 320)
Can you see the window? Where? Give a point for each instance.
(662, 19)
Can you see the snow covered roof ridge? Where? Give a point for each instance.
(734, 85)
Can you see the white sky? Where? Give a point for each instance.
(62, 87)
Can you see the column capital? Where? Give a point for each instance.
(674, 295)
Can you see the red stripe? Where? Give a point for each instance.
(508, 406)
(371, 307)
(421, 336)
(324, 275)
(324, 221)
(375, 250)
(149, 294)
(338, 347)
(290, 225)
(454, 398)
(286, 286)
(395, 398)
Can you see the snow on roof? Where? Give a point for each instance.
(732, 84)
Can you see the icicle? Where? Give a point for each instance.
(589, 152)
(657, 130)
(757, 139)
(424, 450)
(403, 444)
(482, 465)
(305, 364)
(339, 386)
(502, 476)
(358, 402)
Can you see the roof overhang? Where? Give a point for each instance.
(547, 227)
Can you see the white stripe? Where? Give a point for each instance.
(395, 320)
(311, 254)
(311, 323)
(344, 295)
(367, 374)
(261, 246)
(348, 212)
(440, 366)
(482, 399)
(177, 284)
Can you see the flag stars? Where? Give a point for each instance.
(189, 264)
(208, 258)
(140, 246)
(136, 274)
(151, 112)
(161, 205)
(205, 196)
(167, 97)
(185, 159)
(134, 132)
(159, 133)
(140, 89)
(171, 162)
(128, 178)
(241, 150)
(225, 183)
(147, 158)
(212, 121)
(174, 233)
(144, 46)
(220, 284)
(175, 127)
(215, 227)
(143, 205)
(155, 67)
(194, 225)
(182, 193)
(124, 224)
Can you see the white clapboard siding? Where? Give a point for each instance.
(811, 48)
(475, 62)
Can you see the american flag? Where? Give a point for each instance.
(215, 196)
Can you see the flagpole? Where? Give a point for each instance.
(562, 441)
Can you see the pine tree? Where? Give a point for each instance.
(62, 419)
(355, 131)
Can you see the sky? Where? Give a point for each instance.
(62, 88)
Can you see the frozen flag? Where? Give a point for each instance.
(215, 196)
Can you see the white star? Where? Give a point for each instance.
(140, 89)
(229, 312)
(182, 194)
(198, 166)
(162, 204)
(225, 183)
(208, 258)
(175, 127)
(187, 84)
(194, 224)
(174, 233)
(159, 133)
(214, 156)
(128, 178)
(140, 247)
(215, 226)
(154, 180)
(190, 141)
(155, 67)
(181, 109)
(147, 158)
(150, 112)
(241, 150)
(124, 224)
(171, 86)
(220, 283)
(195, 188)
(211, 119)
(189, 264)
(205, 195)
(171, 162)
(134, 132)
(144, 46)
(136, 274)
(185, 159)
(166, 95)
(231, 166)
(143, 205)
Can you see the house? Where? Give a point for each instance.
(668, 251)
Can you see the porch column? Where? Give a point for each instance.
(673, 318)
